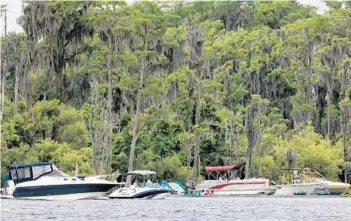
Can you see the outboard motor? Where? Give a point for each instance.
(9, 187)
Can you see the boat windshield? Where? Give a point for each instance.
(151, 185)
(56, 173)
(41, 170)
(140, 178)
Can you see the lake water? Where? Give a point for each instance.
(181, 208)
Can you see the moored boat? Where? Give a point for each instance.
(224, 182)
(326, 186)
(292, 188)
(295, 184)
(43, 180)
(146, 190)
(335, 188)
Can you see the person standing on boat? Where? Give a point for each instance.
(283, 179)
(148, 183)
(192, 183)
(135, 184)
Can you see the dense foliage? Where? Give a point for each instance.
(176, 86)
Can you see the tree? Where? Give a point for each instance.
(345, 107)
(67, 27)
(3, 72)
(257, 107)
(330, 57)
(173, 86)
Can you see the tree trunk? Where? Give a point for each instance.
(95, 163)
(248, 161)
(94, 128)
(198, 141)
(3, 79)
(109, 109)
(15, 102)
(197, 157)
(258, 139)
(328, 104)
(3, 83)
(250, 133)
(189, 148)
(258, 82)
(94, 144)
(136, 121)
(344, 131)
(27, 93)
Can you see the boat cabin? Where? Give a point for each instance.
(20, 173)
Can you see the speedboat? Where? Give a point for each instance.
(297, 183)
(221, 181)
(333, 188)
(146, 190)
(326, 187)
(42, 180)
(292, 188)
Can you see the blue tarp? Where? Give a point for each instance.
(5, 177)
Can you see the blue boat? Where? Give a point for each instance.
(321, 193)
(42, 180)
(192, 193)
(300, 193)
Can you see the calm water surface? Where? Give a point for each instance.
(180, 208)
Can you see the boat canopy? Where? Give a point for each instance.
(219, 168)
(16, 166)
(223, 172)
(27, 172)
(140, 172)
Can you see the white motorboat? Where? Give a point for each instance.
(43, 180)
(332, 188)
(293, 188)
(224, 183)
(296, 184)
(326, 187)
(146, 190)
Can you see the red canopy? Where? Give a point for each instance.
(219, 168)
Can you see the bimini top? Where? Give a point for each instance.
(17, 166)
(220, 168)
(140, 172)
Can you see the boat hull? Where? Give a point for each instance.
(290, 189)
(238, 187)
(66, 197)
(333, 188)
(268, 191)
(64, 192)
(140, 193)
(3, 196)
